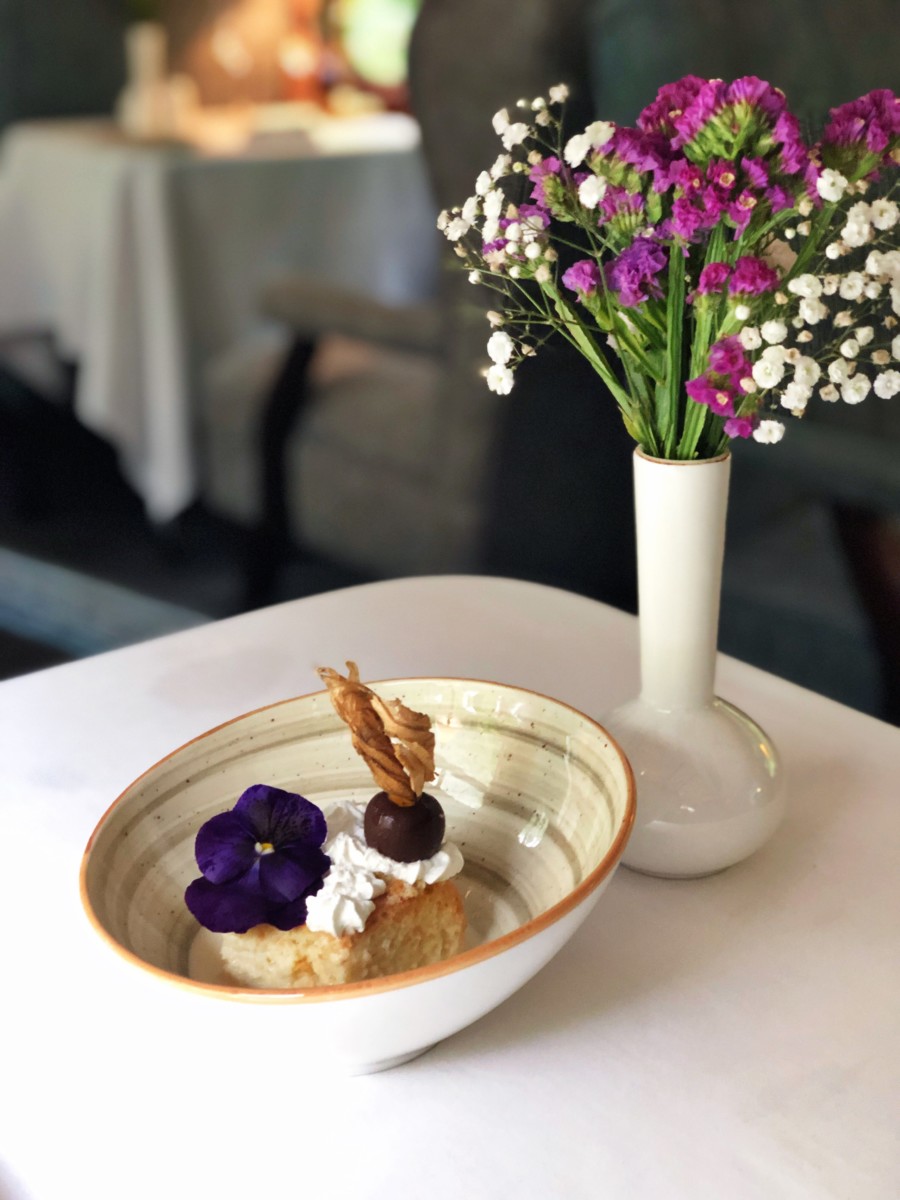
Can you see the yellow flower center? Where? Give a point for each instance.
(264, 848)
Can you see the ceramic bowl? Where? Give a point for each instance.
(538, 796)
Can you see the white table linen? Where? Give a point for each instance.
(732, 1037)
(146, 262)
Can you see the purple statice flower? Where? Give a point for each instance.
(493, 247)
(686, 176)
(752, 277)
(727, 357)
(619, 202)
(712, 278)
(539, 172)
(721, 174)
(706, 103)
(714, 395)
(739, 427)
(756, 93)
(779, 198)
(671, 101)
(647, 151)
(756, 171)
(260, 862)
(583, 277)
(741, 209)
(872, 120)
(633, 275)
(685, 221)
(533, 215)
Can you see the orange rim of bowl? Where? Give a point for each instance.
(403, 979)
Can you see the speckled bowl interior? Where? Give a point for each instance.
(538, 797)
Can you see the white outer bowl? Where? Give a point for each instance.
(539, 797)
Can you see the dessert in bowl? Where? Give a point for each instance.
(538, 798)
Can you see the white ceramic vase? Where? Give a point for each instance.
(708, 780)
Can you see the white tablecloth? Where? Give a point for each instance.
(730, 1038)
(146, 263)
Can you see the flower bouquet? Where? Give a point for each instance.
(710, 264)
(714, 268)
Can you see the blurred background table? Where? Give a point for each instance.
(734, 1036)
(144, 262)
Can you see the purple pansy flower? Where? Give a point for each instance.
(633, 274)
(583, 277)
(260, 862)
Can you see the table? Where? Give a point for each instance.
(733, 1037)
(146, 262)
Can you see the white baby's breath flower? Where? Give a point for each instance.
(804, 228)
(887, 384)
(767, 373)
(538, 103)
(513, 231)
(591, 191)
(775, 354)
(483, 184)
(500, 347)
(742, 311)
(750, 337)
(795, 397)
(849, 348)
(790, 233)
(495, 319)
(864, 334)
(811, 311)
(831, 185)
(514, 134)
(773, 332)
(748, 385)
(558, 94)
(872, 289)
(855, 390)
(533, 250)
(804, 336)
(474, 277)
(768, 432)
(805, 207)
(500, 121)
(806, 370)
(798, 322)
(542, 274)
(852, 285)
(499, 379)
(884, 213)
(550, 254)
(543, 117)
(806, 285)
(843, 319)
(457, 228)
(840, 371)
(830, 284)
(515, 272)
(501, 166)
(470, 209)
(856, 233)
(834, 250)
(443, 220)
(534, 157)
(880, 358)
(895, 348)
(781, 299)
(493, 204)
(576, 148)
(830, 393)
(895, 299)
(599, 133)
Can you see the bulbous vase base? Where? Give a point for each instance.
(708, 787)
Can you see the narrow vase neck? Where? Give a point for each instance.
(680, 510)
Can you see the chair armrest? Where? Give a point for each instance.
(313, 310)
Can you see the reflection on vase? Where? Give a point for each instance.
(708, 781)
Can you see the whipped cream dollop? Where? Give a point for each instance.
(358, 873)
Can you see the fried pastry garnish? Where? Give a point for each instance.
(395, 742)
